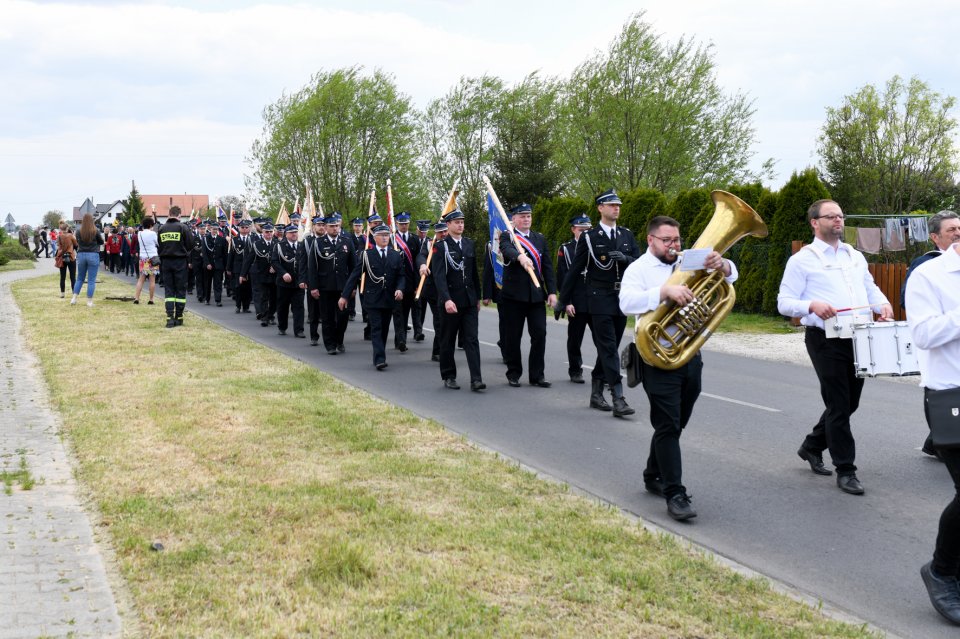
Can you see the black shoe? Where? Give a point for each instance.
(542, 383)
(477, 385)
(434, 358)
(341, 348)
(299, 334)
(419, 337)
(179, 321)
(815, 461)
(402, 347)
(577, 378)
(282, 331)
(513, 382)
(679, 507)
(272, 320)
(237, 311)
(136, 301)
(264, 323)
(928, 449)
(353, 316)
(171, 323)
(207, 302)
(451, 383)
(314, 342)
(219, 304)
(596, 396)
(944, 593)
(381, 366)
(654, 487)
(150, 303)
(621, 408)
(246, 310)
(331, 351)
(366, 336)
(849, 484)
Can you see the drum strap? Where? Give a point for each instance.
(847, 271)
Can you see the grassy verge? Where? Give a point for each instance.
(17, 265)
(290, 504)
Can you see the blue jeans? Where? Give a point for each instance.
(87, 266)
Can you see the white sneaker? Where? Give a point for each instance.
(62, 295)
(73, 300)
(89, 302)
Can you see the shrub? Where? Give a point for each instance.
(13, 251)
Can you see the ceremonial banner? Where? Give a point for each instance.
(497, 226)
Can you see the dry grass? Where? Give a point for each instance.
(292, 505)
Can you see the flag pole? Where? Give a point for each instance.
(449, 206)
(509, 224)
(373, 201)
(393, 222)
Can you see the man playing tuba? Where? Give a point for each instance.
(671, 393)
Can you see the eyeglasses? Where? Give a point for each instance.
(830, 218)
(670, 240)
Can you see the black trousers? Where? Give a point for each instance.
(946, 555)
(607, 331)
(513, 315)
(465, 323)
(401, 313)
(672, 395)
(70, 266)
(242, 293)
(268, 296)
(379, 319)
(213, 283)
(313, 315)
(840, 389)
(576, 328)
(174, 285)
(334, 320)
(290, 301)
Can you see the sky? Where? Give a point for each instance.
(170, 93)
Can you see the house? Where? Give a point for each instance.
(83, 209)
(160, 204)
(107, 214)
(10, 225)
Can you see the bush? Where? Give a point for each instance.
(13, 251)
(4, 260)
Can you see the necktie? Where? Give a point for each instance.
(383, 254)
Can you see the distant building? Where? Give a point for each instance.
(160, 204)
(10, 225)
(83, 209)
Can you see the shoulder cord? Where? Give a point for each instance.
(283, 257)
(457, 266)
(374, 278)
(319, 255)
(598, 263)
(257, 252)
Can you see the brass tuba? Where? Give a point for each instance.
(669, 336)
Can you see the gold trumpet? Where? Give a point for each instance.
(670, 335)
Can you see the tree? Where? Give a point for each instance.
(133, 208)
(344, 134)
(890, 151)
(52, 218)
(651, 114)
(458, 134)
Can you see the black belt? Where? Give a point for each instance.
(610, 286)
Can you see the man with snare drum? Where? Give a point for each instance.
(821, 278)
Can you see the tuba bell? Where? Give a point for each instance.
(670, 335)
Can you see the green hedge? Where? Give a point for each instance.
(13, 251)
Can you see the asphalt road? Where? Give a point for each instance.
(758, 503)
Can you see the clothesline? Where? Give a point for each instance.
(889, 237)
(891, 216)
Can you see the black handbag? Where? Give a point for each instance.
(155, 260)
(943, 413)
(631, 363)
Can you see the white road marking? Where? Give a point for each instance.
(741, 403)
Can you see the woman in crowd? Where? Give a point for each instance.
(89, 241)
(67, 254)
(148, 249)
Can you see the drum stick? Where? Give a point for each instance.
(854, 308)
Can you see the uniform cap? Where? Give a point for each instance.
(423, 225)
(403, 218)
(246, 223)
(356, 220)
(381, 228)
(440, 226)
(521, 208)
(609, 197)
(267, 226)
(455, 214)
(581, 221)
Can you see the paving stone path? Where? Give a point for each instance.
(53, 582)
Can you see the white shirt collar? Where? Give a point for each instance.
(607, 229)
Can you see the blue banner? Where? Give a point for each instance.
(497, 226)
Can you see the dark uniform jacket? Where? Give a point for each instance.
(564, 259)
(175, 239)
(454, 271)
(214, 250)
(383, 278)
(603, 275)
(256, 257)
(429, 290)
(238, 250)
(325, 264)
(517, 285)
(284, 260)
(410, 266)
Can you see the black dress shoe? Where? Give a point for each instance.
(299, 334)
(451, 383)
(402, 347)
(576, 378)
(419, 337)
(849, 484)
(679, 507)
(381, 366)
(928, 449)
(815, 461)
(219, 304)
(314, 342)
(282, 332)
(944, 593)
(654, 487)
(513, 382)
(237, 311)
(477, 385)
(264, 323)
(542, 383)
(331, 351)
(341, 349)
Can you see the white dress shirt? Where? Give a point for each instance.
(838, 276)
(933, 297)
(640, 287)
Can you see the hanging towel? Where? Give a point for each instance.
(892, 235)
(869, 240)
(850, 235)
(918, 229)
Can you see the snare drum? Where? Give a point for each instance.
(884, 349)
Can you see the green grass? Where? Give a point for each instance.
(291, 504)
(21, 475)
(17, 265)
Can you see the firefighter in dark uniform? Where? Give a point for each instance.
(175, 244)
(576, 325)
(242, 291)
(214, 249)
(428, 294)
(491, 290)
(454, 266)
(258, 270)
(409, 246)
(359, 240)
(423, 226)
(307, 249)
(326, 262)
(196, 260)
(289, 292)
(381, 270)
(229, 277)
(604, 252)
(521, 301)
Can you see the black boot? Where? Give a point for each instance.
(171, 322)
(620, 407)
(596, 396)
